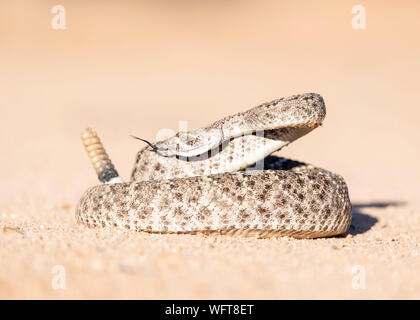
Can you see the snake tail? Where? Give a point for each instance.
(99, 158)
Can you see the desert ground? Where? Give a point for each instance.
(137, 67)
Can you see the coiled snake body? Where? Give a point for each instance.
(222, 179)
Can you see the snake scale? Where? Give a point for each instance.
(223, 179)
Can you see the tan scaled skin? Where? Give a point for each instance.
(209, 192)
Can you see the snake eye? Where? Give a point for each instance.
(195, 142)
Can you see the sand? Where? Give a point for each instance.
(138, 68)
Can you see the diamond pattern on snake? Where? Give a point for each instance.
(224, 179)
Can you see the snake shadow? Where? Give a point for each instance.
(361, 222)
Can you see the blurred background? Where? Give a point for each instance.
(136, 67)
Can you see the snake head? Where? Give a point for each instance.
(194, 142)
(303, 110)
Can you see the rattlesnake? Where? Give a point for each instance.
(211, 180)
